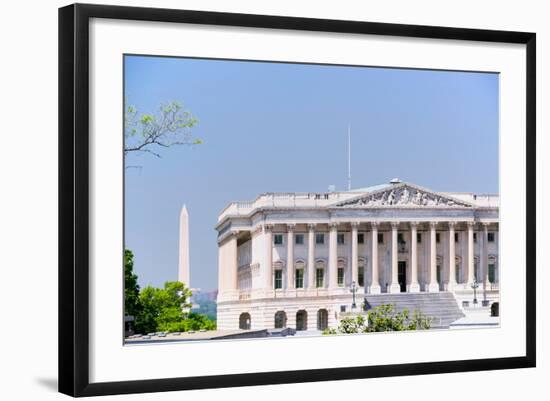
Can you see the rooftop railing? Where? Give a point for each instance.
(281, 199)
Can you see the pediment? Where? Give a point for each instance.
(403, 195)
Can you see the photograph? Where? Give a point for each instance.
(273, 199)
(277, 200)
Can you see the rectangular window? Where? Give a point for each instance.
(343, 308)
(437, 237)
(492, 276)
(380, 238)
(457, 273)
(319, 238)
(456, 237)
(340, 277)
(340, 239)
(319, 276)
(278, 279)
(491, 237)
(300, 278)
(278, 239)
(418, 238)
(299, 239)
(400, 238)
(361, 276)
(475, 237)
(360, 238)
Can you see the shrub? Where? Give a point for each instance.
(382, 318)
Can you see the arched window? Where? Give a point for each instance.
(299, 266)
(280, 319)
(322, 319)
(342, 263)
(458, 270)
(492, 272)
(278, 274)
(244, 321)
(477, 273)
(320, 273)
(301, 320)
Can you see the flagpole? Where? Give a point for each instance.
(349, 157)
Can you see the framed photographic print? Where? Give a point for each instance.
(277, 199)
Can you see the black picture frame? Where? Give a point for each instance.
(74, 198)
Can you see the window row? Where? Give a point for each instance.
(319, 278)
(320, 238)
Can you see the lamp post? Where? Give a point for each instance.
(474, 286)
(353, 290)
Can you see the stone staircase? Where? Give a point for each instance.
(441, 306)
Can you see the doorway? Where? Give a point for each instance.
(440, 277)
(322, 319)
(244, 321)
(280, 320)
(301, 320)
(402, 275)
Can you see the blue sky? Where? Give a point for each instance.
(283, 127)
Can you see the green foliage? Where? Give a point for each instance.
(191, 322)
(382, 318)
(132, 306)
(160, 309)
(144, 132)
(419, 321)
(162, 306)
(352, 325)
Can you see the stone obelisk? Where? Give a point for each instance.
(183, 271)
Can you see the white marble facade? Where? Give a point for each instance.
(291, 258)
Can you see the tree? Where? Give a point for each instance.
(162, 306)
(148, 132)
(163, 310)
(382, 318)
(159, 309)
(132, 306)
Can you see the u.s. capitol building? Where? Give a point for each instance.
(295, 259)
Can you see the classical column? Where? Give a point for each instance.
(414, 286)
(227, 280)
(290, 256)
(471, 268)
(333, 256)
(434, 285)
(484, 268)
(375, 284)
(394, 286)
(451, 284)
(311, 256)
(268, 235)
(354, 253)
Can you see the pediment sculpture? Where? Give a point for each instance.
(403, 196)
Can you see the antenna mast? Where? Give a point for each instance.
(349, 157)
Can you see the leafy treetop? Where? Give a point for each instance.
(148, 132)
